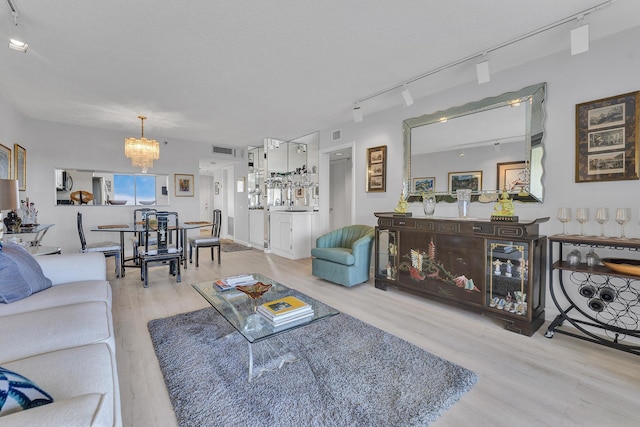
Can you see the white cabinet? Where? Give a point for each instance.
(290, 234)
(256, 228)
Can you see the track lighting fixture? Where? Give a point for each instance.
(580, 38)
(408, 99)
(357, 114)
(579, 44)
(16, 40)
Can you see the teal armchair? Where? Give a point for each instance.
(343, 256)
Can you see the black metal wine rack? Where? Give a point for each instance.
(603, 306)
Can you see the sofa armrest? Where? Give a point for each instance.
(73, 267)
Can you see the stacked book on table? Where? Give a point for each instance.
(233, 281)
(286, 312)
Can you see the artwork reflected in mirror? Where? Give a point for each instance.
(104, 188)
(498, 138)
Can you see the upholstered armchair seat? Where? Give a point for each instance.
(343, 256)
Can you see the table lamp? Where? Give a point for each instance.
(9, 200)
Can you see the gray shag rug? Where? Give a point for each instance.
(348, 373)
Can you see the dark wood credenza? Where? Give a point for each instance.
(496, 268)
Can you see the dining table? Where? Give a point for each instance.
(138, 227)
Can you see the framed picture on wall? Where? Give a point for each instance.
(184, 185)
(20, 162)
(5, 162)
(465, 180)
(607, 139)
(512, 176)
(424, 185)
(377, 169)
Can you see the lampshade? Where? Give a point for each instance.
(9, 194)
(142, 151)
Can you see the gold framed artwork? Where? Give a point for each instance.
(424, 185)
(5, 162)
(20, 165)
(377, 169)
(465, 180)
(184, 185)
(607, 139)
(512, 176)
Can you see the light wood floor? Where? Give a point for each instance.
(523, 381)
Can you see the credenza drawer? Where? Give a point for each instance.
(404, 222)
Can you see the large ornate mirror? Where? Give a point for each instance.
(488, 146)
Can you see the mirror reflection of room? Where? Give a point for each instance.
(102, 188)
(496, 143)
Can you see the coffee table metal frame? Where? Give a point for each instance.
(239, 310)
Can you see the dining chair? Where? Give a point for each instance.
(160, 225)
(108, 248)
(138, 239)
(212, 241)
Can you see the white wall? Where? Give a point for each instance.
(51, 145)
(611, 67)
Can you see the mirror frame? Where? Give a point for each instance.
(533, 96)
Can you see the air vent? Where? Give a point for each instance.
(336, 135)
(223, 150)
(227, 152)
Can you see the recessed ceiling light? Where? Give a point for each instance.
(338, 153)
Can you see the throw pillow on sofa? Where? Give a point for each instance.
(20, 274)
(18, 393)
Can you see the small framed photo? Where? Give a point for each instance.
(377, 169)
(424, 185)
(184, 185)
(607, 139)
(299, 193)
(465, 180)
(20, 163)
(512, 176)
(5, 162)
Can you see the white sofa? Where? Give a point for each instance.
(62, 339)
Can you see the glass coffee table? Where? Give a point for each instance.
(240, 311)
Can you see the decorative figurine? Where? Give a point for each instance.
(509, 266)
(504, 209)
(402, 204)
(497, 271)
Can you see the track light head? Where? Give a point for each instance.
(408, 99)
(580, 39)
(482, 70)
(357, 114)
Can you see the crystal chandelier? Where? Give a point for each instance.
(142, 151)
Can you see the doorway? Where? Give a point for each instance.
(337, 204)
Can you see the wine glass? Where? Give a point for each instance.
(623, 216)
(582, 216)
(564, 215)
(602, 216)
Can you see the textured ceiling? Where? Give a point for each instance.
(233, 72)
